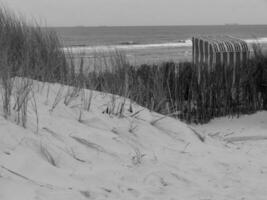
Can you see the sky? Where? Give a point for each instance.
(141, 12)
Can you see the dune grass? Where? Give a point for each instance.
(181, 90)
(28, 51)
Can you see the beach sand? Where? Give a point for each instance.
(79, 154)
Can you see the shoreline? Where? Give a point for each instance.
(146, 53)
(128, 45)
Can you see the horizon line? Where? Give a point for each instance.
(107, 26)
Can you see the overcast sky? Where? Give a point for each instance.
(141, 12)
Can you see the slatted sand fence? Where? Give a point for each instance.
(212, 50)
(220, 82)
(219, 50)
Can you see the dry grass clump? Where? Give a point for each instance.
(23, 90)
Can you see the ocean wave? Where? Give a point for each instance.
(257, 40)
(128, 43)
(75, 49)
(133, 46)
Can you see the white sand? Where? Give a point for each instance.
(129, 157)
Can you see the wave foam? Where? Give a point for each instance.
(186, 43)
(257, 40)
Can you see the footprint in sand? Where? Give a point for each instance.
(133, 192)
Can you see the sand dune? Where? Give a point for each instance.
(79, 154)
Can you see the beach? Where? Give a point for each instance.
(148, 54)
(122, 113)
(148, 45)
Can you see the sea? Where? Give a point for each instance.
(150, 44)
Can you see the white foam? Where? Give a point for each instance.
(257, 40)
(186, 43)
